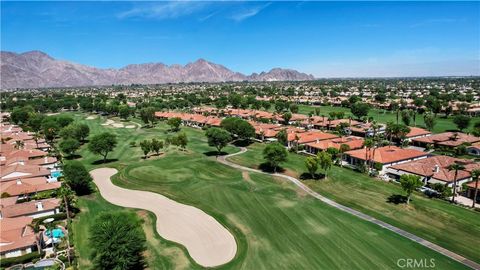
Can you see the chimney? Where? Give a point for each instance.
(436, 169)
(46, 160)
(318, 140)
(39, 206)
(19, 182)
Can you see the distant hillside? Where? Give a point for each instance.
(36, 69)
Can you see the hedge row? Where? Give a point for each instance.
(6, 262)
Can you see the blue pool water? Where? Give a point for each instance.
(56, 174)
(57, 233)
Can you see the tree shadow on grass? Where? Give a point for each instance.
(308, 176)
(215, 153)
(265, 167)
(75, 156)
(397, 199)
(242, 143)
(100, 161)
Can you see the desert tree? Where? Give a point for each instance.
(218, 138)
(102, 144)
(274, 154)
(409, 183)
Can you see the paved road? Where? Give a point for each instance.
(421, 241)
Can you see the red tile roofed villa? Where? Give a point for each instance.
(26, 153)
(447, 139)
(265, 131)
(15, 172)
(416, 132)
(352, 142)
(28, 186)
(432, 170)
(17, 238)
(323, 122)
(295, 139)
(34, 209)
(45, 162)
(386, 155)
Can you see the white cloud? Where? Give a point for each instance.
(247, 13)
(165, 10)
(436, 22)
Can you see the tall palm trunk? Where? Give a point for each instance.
(454, 186)
(475, 194)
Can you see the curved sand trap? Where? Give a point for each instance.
(91, 117)
(130, 126)
(117, 125)
(206, 240)
(109, 122)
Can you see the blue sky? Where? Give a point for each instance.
(326, 39)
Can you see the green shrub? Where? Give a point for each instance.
(6, 262)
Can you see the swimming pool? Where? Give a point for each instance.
(56, 174)
(57, 233)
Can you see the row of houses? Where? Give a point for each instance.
(391, 161)
(26, 170)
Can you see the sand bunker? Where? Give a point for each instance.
(206, 240)
(117, 125)
(130, 126)
(109, 122)
(91, 117)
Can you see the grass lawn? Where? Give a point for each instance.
(382, 116)
(276, 226)
(452, 227)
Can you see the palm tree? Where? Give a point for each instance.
(368, 144)
(455, 167)
(475, 176)
(343, 148)
(19, 144)
(66, 194)
(36, 137)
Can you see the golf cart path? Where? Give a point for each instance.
(207, 241)
(421, 241)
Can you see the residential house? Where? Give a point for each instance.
(17, 238)
(27, 187)
(446, 139)
(16, 172)
(353, 143)
(432, 170)
(386, 156)
(34, 209)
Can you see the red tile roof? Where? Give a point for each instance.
(24, 171)
(27, 186)
(16, 234)
(415, 131)
(352, 141)
(388, 154)
(448, 139)
(29, 208)
(312, 136)
(427, 168)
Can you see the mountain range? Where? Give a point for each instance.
(36, 69)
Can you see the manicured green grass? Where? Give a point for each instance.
(442, 124)
(450, 226)
(275, 225)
